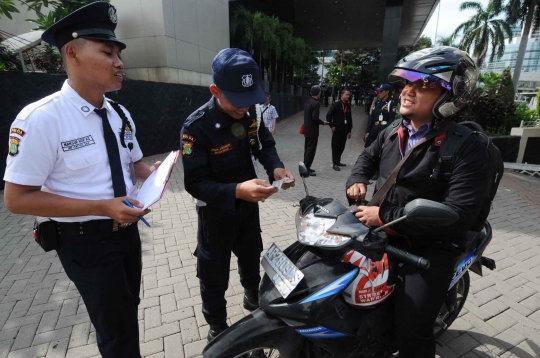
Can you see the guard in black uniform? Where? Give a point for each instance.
(339, 118)
(220, 142)
(312, 122)
(383, 113)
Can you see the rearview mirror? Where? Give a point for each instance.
(304, 172)
(430, 212)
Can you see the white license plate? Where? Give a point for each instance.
(282, 271)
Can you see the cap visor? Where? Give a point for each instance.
(106, 39)
(245, 99)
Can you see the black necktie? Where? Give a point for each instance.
(119, 186)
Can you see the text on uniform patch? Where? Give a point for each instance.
(222, 149)
(77, 143)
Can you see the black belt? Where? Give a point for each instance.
(92, 227)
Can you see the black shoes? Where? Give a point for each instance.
(341, 164)
(215, 330)
(336, 167)
(311, 172)
(251, 298)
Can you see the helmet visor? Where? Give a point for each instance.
(400, 75)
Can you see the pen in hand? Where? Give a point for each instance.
(140, 217)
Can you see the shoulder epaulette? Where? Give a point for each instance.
(193, 117)
(33, 106)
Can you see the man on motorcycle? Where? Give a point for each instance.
(437, 84)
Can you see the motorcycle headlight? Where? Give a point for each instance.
(312, 231)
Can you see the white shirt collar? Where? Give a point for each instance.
(82, 105)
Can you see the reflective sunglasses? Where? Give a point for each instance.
(425, 81)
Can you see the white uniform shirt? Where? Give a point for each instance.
(57, 143)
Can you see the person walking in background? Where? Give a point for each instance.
(311, 127)
(382, 114)
(269, 114)
(340, 118)
(326, 95)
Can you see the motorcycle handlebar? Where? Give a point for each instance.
(408, 257)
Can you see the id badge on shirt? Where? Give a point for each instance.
(380, 117)
(345, 121)
(132, 174)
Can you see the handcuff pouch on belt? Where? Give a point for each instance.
(46, 233)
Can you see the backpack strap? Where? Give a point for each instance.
(450, 146)
(391, 129)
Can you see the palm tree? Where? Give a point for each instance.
(246, 20)
(283, 52)
(523, 11)
(267, 39)
(483, 30)
(446, 41)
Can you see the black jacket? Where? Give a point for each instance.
(216, 154)
(464, 192)
(337, 117)
(311, 118)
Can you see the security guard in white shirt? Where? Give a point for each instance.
(73, 157)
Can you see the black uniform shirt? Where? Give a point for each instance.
(216, 154)
(387, 109)
(339, 116)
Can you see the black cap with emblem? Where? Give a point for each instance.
(236, 74)
(94, 21)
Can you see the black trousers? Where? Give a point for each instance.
(219, 234)
(339, 139)
(419, 297)
(310, 147)
(106, 269)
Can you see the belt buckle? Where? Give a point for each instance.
(115, 226)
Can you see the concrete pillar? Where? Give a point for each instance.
(392, 27)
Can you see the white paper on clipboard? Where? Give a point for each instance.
(154, 186)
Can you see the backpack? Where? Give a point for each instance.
(451, 145)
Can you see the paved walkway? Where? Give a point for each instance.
(42, 314)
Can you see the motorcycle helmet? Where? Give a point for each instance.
(448, 67)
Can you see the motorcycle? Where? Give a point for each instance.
(330, 293)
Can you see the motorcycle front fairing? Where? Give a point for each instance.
(317, 310)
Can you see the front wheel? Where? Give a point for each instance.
(455, 299)
(260, 353)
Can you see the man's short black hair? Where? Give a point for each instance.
(315, 90)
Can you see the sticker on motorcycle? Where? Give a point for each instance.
(370, 287)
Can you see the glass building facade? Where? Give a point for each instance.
(531, 61)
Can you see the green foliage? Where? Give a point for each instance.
(47, 59)
(7, 7)
(505, 86)
(528, 116)
(538, 103)
(446, 41)
(8, 60)
(483, 30)
(493, 113)
(487, 82)
(272, 43)
(60, 9)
